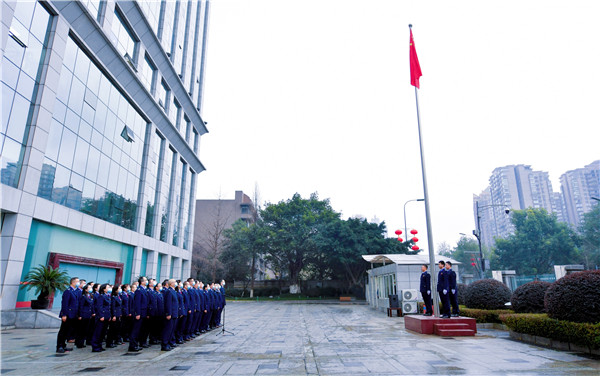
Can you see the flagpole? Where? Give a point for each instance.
(434, 293)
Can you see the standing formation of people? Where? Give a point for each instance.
(446, 287)
(143, 313)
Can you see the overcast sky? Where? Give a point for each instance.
(315, 96)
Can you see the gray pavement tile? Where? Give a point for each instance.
(299, 339)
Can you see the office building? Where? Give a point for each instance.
(101, 126)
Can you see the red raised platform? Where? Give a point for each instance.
(452, 327)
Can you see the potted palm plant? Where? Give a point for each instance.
(45, 280)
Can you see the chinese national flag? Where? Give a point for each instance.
(415, 68)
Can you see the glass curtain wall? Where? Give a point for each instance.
(88, 165)
(21, 72)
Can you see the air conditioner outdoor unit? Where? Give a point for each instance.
(410, 295)
(409, 307)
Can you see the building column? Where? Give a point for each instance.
(15, 234)
(186, 266)
(165, 269)
(177, 267)
(152, 265)
(136, 264)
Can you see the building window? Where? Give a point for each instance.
(176, 114)
(153, 180)
(163, 95)
(196, 141)
(94, 7)
(188, 129)
(126, 42)
(148, 74)
(21, 69)
(165, 172)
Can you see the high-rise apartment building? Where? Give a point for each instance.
(511, 187)
(578, 187)
(101, 125)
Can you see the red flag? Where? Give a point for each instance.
(415, 68)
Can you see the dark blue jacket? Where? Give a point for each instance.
(116, 306)
(425, 282)
(102, 306)
(187, 301)
(193, 293)
(126, 305)
(451, 279)
(171, 303)
(140, 302)
(152, 303)
(442, 283)
(224, 301)
(202, 296)
(86, 306)
(180, 304)
(160, 303)
(69, 305)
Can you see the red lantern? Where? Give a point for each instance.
(414, 232)
(399, 239)
(473, 264)
(415, 247)
(415, 239)
(398, 232)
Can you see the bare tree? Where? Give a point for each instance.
(209, 245)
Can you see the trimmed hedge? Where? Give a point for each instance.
(484, 315)
(487, 294)
(462, 293)
(575, 297)
(543, 326)
(529, 298)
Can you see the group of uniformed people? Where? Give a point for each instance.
(142, 313)
(446, 287)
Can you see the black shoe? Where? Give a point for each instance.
(68, 348)
(111, 346)
(134, 349)
(80, 346)
(60, 350)
(445, 316)
(145, 345)
(166, 348)
(97, 350)
(102, 349)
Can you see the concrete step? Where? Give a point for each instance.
(452, 326)
(454, 332)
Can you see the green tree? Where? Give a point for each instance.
(290, 230)
(590, 238)
(467, 252)
(538, 243)
(342, 244)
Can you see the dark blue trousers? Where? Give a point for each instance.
(167, 332)
(135, 333)
(445, 302)
(427, 301)
(99, 333)
(454, 302)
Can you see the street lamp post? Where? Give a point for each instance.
(405, 228)
(477, 233)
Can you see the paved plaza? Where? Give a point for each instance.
(287, 338)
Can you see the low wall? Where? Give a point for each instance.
(27, 318)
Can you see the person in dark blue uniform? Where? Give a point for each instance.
(126, 318)
(159, 317)
(68, 314)
(180, 317)
(442, 288)
(171, 311)
(425, 289)
(86, 310)
(151, 312)
(207, 311)
(114, 326)
(223, 301)
(77, 324)
(140, 311)
(452, 289)
(102, 309)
